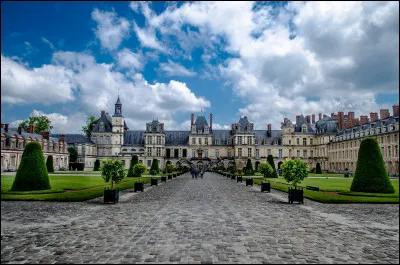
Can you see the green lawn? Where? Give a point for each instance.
(76, 172)
(65, 188)
(336, 190)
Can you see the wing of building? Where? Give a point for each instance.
(332, 141)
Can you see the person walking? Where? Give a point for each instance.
(193, 172)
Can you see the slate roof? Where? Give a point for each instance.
(262, 134)
(14, 131)
(222, 135)
(75, 138)
(300, 123)
(243, 122)
(106, 118)
(371, 125)
(177, 137)
(327, 125)
(200, 122)
(134, 138)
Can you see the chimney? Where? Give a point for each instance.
(62, 138)
(33, 128)
(348, 124)
(46, 135)
(373, 116)
(308, 118)
(325, 116)
(192, 119)
(363, 119)
(384, 114)
(395, 110)
(103, 113)
(350, 115)
(340, 120)
(269, 130)
(210, 122)
(6, 127)
(297, 118)
(313, 118)
(19, 130)
(356, 122)
(233, 128)
(332, 114)
(319, 116)
(2, 125)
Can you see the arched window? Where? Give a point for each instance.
(101, 129)
(124, 149)
(304, 128)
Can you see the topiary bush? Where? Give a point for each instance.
(265, 169)
(169, 168)
(371, 175)
(294, 171)
(270, 160)
(50, 164)
(318, 169)
(96, 165)
(154, 167)
(249, 167)
(138, 170)
(112, 171)
(134, 161)
(32, 173)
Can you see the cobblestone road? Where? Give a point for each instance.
(210, 220)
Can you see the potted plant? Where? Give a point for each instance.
(112, 171)
(163, 178)
(138, 170)
(294, 172)
(267, 171)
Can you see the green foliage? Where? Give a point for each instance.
(73, 154)
(42, 123)
(90, 122)
(371, 175)
(270, 160)
(96, 165)
(249, 168)
(134, 161)
(32, 173)
(138, 170)
(154, 167)
(318, 169)
(294, 171)
(265, 169)
(169, 168)
(112, 171)
(232, 168)
(50, 164)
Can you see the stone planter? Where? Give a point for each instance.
(295, 194)
(154, 181)
(163, 179)
(265, 186)
(239, 179)
(111, 196)
(174, 175)
(233, 177)
(169, 176)
(249, 182)
(139, 186)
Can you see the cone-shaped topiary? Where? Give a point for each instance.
(249, 168)
(154, 167)
(50, 164)
(371, 175)
(270, 160)
(96, 165)
(318, 169)
(134, 161)
(32, 173)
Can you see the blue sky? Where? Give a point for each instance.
(266, 61)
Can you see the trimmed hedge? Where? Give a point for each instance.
(32, 172)
(50, 164)
(249, 168)
(96, 165)
(270, 160)
(134, 161)
(154, 167)
(371, 175)
(318, 169)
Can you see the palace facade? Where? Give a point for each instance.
(332, 141)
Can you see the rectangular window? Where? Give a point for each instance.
(148, 163)
(257, 153)
(249, 152)
(239, 152)
(249, 141)
(311, 141)
(290, 141)
(176, 153)
(304, 153)
(217, 153)
(280, 153)
(158, 139)
(312, 153)
(269, 151)
(199, 140)
(158, 151)
(389, 151)
(206, 153)
(193, 153)
(184, 153)
(149, 140)
(304, 141)
(193, 140)
(148, 151)
(229, 154)
(298, 153)
(239, 139)
(206, 141)
(298, 141)
(168, 153)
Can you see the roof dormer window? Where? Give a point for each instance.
(304, 128)
(101, 129)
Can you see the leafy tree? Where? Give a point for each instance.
(318, 169)
(249, 168)
(232, 167)
(73, 154)
(50, 164)
(112, 171)
(265, 169)
(169, 168)
(294, 171)
(371, 175)
(134, 161)
(270, 160)
(90, 122)
(154, 167)
(96, 165)
(138, 170)
(42, 123)
(32, 173)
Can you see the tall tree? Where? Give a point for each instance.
(90, 122)
(73, 154)
(41, 123)
(270, 160)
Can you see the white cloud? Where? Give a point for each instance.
(48, 42)
(128, 59)
(111, 30)
(148, 38)
(175, 69)
(47, 85)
